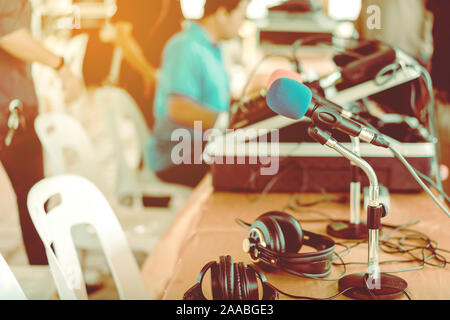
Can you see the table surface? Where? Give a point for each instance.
(206, 229)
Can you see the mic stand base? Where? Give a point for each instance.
(344, 229)
(389, 287)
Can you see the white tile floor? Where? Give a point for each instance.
(142, 226)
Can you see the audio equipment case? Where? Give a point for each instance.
(305, 165)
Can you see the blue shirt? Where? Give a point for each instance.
(192, 67)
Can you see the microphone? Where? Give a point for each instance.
(294, 100)
(282, 73)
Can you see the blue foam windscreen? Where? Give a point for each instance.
(289, 98)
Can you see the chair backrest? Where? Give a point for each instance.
(118, 104)
(61, 135)
(10, 289)
(81, 203)
(75, 52)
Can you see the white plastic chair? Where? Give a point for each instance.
(69, 149)
(118, 104)
(9, 287)
(81, 203)
(25, 282)
(75, 52)
(61, 135)
(36, 281)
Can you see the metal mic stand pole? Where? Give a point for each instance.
(373, 284)
(355, 228)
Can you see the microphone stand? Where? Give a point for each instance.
(355, 228)
(373, 284)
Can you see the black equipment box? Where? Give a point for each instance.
(307, 166)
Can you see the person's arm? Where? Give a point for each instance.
(23, 46)
(186, 111)
(122, 37)
(183, 75)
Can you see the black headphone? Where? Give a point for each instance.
(274, 241)
(230, 281)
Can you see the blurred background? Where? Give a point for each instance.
(96, 37)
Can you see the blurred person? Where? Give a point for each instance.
(141, 29)
(405, 24)
(440, 70)
(193, 86)
(22, 158)
(440, 64)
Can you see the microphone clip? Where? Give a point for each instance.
(319, 135)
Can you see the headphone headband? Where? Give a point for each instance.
(196, 293)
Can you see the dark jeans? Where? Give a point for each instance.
(188, 175)
(23, 163)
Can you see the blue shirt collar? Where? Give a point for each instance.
(201, 34)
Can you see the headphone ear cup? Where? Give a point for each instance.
(227, 276)
(274, 241)
(291, 231)
(270, 230)
(239, 283)
(251, 283)
(216, 288)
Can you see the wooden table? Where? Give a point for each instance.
(206, 229)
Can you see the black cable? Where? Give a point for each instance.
(242, 223)
(386, 243)
(433, 184)
(269, 185)
(332, 297)
(423, 176)
(401, 247)
(290, 163)
(326, 219)
(326, 198)
(432, 122)
(432, 126)
(430, 246)
(255, 69)
(400, 157)
(309, 298)
(297, 44)
(297, 206)
(425, 76)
